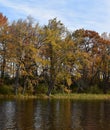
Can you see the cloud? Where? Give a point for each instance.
(74, 14)
(40, 12)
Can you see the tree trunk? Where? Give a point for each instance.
(25, 85)
(105, 82)
(50, 87)
(17, 79)
(3, 69)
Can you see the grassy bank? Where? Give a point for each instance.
(60, 96)
(39, 96)
(82, 96)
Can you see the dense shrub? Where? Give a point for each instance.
(6, 89)
(41, 88)
(94, 90)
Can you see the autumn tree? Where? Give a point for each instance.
(105, 62)
(3, 20)
(31, 54)
(25, 51)
(52, 51)
(59, 55)
(3, 43)
(92, 47)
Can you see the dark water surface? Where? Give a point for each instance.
(54, 115)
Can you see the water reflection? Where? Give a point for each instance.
(7, 116)
(54, 115)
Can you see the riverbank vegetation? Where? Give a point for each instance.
(49, 59)
(72, 96)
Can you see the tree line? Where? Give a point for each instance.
(50, 56)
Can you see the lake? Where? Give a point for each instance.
(51, 114)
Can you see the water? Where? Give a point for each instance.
(54, 115)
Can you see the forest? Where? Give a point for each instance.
(50, 58)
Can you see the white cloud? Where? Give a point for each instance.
(42, 13)
(74, 14)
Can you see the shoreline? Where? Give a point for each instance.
(60, 96)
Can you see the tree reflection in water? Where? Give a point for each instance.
(54, 115)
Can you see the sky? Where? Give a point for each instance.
(74, 14)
